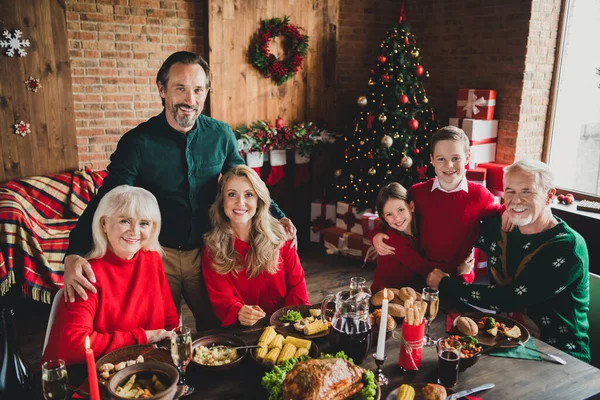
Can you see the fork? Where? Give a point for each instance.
(552, 357)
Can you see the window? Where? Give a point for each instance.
(574, 150)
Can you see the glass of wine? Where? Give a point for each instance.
(54, 380)
(432, 298)
(181, 353)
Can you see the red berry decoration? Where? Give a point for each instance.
(385, 78)
(569, 199)
(403, 99)
(413, 124)
(566, 198)
(417, 151)
(419, 70)
(381, 59)
(561, 198)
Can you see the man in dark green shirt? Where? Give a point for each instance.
(540, 268)
(178, 156)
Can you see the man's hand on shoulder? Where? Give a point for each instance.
(435, 277)
(290, 230)
(78, 277)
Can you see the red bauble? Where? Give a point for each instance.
(381, 59)
(385, 78)
(406, 42)
(417, 150)
(372, 72)
(413, 124)
(419, 70)
(370, 155)
(403, 99)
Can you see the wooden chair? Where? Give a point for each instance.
(58, 297)
(594, 331)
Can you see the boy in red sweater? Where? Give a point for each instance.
(448, 207)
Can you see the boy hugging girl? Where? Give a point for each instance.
(448, 210)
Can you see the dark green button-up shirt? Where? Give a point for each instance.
(181, 170)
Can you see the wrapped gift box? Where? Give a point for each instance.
(481, 152)
(322, 215)
(349, 218)
(477, 129)
(476, 103)
(339, 241)
(495, 177)
(477, 175)
(370, 222)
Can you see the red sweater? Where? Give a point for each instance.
(403, 267)
(449, 222)
(228, 293)
(132, 296)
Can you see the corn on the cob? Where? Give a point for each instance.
(277, 342)
(287, 352)
(267, 336)
(406, 392)
(315, 327)
(300, 343)
(261, 352)
(271, 357)
(300, 352)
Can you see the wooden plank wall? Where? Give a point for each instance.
(51, 147)
(240, 94)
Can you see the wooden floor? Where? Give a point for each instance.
(324, 274)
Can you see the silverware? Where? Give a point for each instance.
(552, 357)
(470, 391)
(254, 346)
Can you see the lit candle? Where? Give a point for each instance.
(380, 354)
(91, 367)
(279, 123)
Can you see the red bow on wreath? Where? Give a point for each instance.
(320, 223)
(422, 172)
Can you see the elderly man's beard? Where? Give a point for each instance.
(185, 121)
(523, 219)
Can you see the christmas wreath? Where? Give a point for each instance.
(278, 70)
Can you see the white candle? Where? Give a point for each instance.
(382, 327)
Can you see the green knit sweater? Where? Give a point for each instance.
(544, 275)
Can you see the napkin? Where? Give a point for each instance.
(518, 352)
(450, 317)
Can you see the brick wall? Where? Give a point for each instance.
(116, 49)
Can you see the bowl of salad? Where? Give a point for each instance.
(470, 352)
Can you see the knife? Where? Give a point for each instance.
(470, 391)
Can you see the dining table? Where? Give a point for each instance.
(513, 378)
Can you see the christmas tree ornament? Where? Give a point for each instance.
(371, 82)
(396, 135)
(385, 78)
(22, 128)
(427, 74)
(416, 101)
(406, 162)
(372, 72)
(32, 84)
(381, 59)
(403, 99)
(362, 101)
(406, 42)
(388, 172)
(419, 70)
(372, 171)
(422, 170)
(338, 173)
(415, 53)
(386, 141)
(417, 151)
(425, 100)
(362, 142)
(347, 152)
(382, 118)
(413, 124)
(370, 155)
(13, 43)
(395, 51)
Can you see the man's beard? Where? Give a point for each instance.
(522, 220)
(186, 121)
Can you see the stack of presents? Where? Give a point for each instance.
(345, 230)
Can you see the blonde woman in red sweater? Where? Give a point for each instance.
(133, 303)
(249, 267)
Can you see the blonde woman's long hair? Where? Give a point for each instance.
(266, 234)
(128, 201)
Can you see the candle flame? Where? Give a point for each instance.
(385, 294)
(87, 342)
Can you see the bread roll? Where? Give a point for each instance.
(407, 293)
(377, 298)
(467, 326)
(431, 391)
(396, 310)
(391, 323)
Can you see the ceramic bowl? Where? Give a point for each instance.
(166, 373)
(468, 362)
(216, 340)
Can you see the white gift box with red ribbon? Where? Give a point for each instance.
(482, 137)
(322, 215)
(476, 103)
(349, 218)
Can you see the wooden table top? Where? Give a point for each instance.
(514, 378)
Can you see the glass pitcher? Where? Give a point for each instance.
(350, 326)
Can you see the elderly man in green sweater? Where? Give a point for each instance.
(541, 268)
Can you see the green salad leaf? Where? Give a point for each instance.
(273, 380)
(291, 316)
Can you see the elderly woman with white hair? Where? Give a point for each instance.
(133, 303)
(540, 268)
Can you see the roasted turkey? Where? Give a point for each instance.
(322, 379)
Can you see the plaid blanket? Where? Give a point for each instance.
(36, 217)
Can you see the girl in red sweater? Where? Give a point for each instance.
(249, 269)
(132, 303)
(406, 265)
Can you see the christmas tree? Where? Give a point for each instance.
(390, 142)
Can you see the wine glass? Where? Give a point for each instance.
(54, 380)
(432, 298)
(181, 353)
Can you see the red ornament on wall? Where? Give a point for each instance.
(419, 70)
(413, 124)
(417, 151)
(403, 99)
(381, 59)
(385, 78)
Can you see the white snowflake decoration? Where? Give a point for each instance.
(493, 247)
(22, 128)
(562, 329)
(475, 294)
(493, 307)
(13, 43)
(546, 320)
(570, 346)
(559, 261)
(551, 340)
(520, 290)
(560, 289)
(526, 245)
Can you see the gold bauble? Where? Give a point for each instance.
(362, 142)
(406, 162)
(425, 100)
(415, 53)
(382, 118)
(388, 172)
(362, 101)
(396, 135)
(337, 173)
(372, 171)
(371, 82)
(386, 141)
